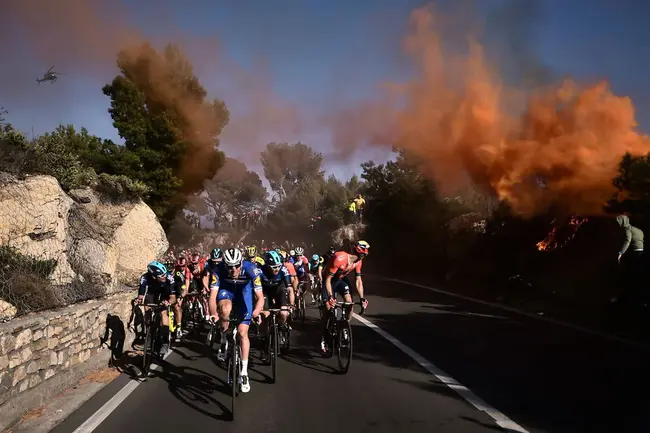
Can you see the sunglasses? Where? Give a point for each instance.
(276, 268)
(232, 268)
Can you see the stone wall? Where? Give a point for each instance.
(41, 354)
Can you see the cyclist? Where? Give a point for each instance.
(157, 285)
(291, 270)
(236, 280)
(300, 263)
(277, 288)
(315, 268)
(211, 266)
(183, 276)
(253, 257)
(196, 267)
(336, 281)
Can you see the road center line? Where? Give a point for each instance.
(501, 420)
(556, 322)
(103, 412)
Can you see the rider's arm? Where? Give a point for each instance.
(259, 295)
(142, 289)
(292, 294)
(214, 290)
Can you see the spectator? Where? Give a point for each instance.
(630, 260)
(352, 208)
(360, 204)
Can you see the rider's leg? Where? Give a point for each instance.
(281, 299)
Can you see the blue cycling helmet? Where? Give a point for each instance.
(216, 254)
(272, 258)
(156, 269)
(315, 258)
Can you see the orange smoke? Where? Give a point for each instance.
(461, 121)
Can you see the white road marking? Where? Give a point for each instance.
(447, 309)
(501, 420)
(521, 313)
(103, 412)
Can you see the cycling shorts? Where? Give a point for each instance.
(276, 296)
(340, 287)
(243, 303)
(155, 298)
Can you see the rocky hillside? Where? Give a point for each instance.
(91, 239)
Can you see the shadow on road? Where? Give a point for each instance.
(541, 375)
(196, 389)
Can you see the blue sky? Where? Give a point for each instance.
(293, 58)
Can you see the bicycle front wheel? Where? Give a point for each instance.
(234, 376)
(149, 348)
(274, 352)
(344, 345)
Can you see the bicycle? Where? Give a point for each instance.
(272, 345)
(233, 359)
(339, 334)
(152, 324)
(299, 312)
(193, 311)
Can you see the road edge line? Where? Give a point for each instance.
(465, 393)
(95, 420)
(556, 322)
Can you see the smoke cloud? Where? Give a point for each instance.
(465, 124)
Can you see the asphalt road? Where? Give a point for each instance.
(543, 376)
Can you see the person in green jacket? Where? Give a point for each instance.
(630, 255)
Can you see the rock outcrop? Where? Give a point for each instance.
(89, 237)
(345, 234)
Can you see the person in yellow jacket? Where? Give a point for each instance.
(360, 204)
(352, 208)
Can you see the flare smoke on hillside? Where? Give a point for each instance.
(464, 123)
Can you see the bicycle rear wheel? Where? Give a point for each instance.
(343, 345)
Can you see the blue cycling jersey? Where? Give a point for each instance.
(249, 278)
(268, 279)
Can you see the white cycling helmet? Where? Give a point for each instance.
(292, 253)
(232, 257)
(300, 251)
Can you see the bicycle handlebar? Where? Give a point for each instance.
(346, 304)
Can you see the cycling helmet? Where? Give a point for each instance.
(156, 269)
(300, 251)
(331, 250)
(361, 247)
(315, 258)
(292, 253)
(273, 259)
(251, 251)
(232, 257)
(283, 254)
(216, 254)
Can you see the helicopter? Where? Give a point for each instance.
(50, 76)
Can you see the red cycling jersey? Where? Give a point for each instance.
(290, 268)
(339, 266)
